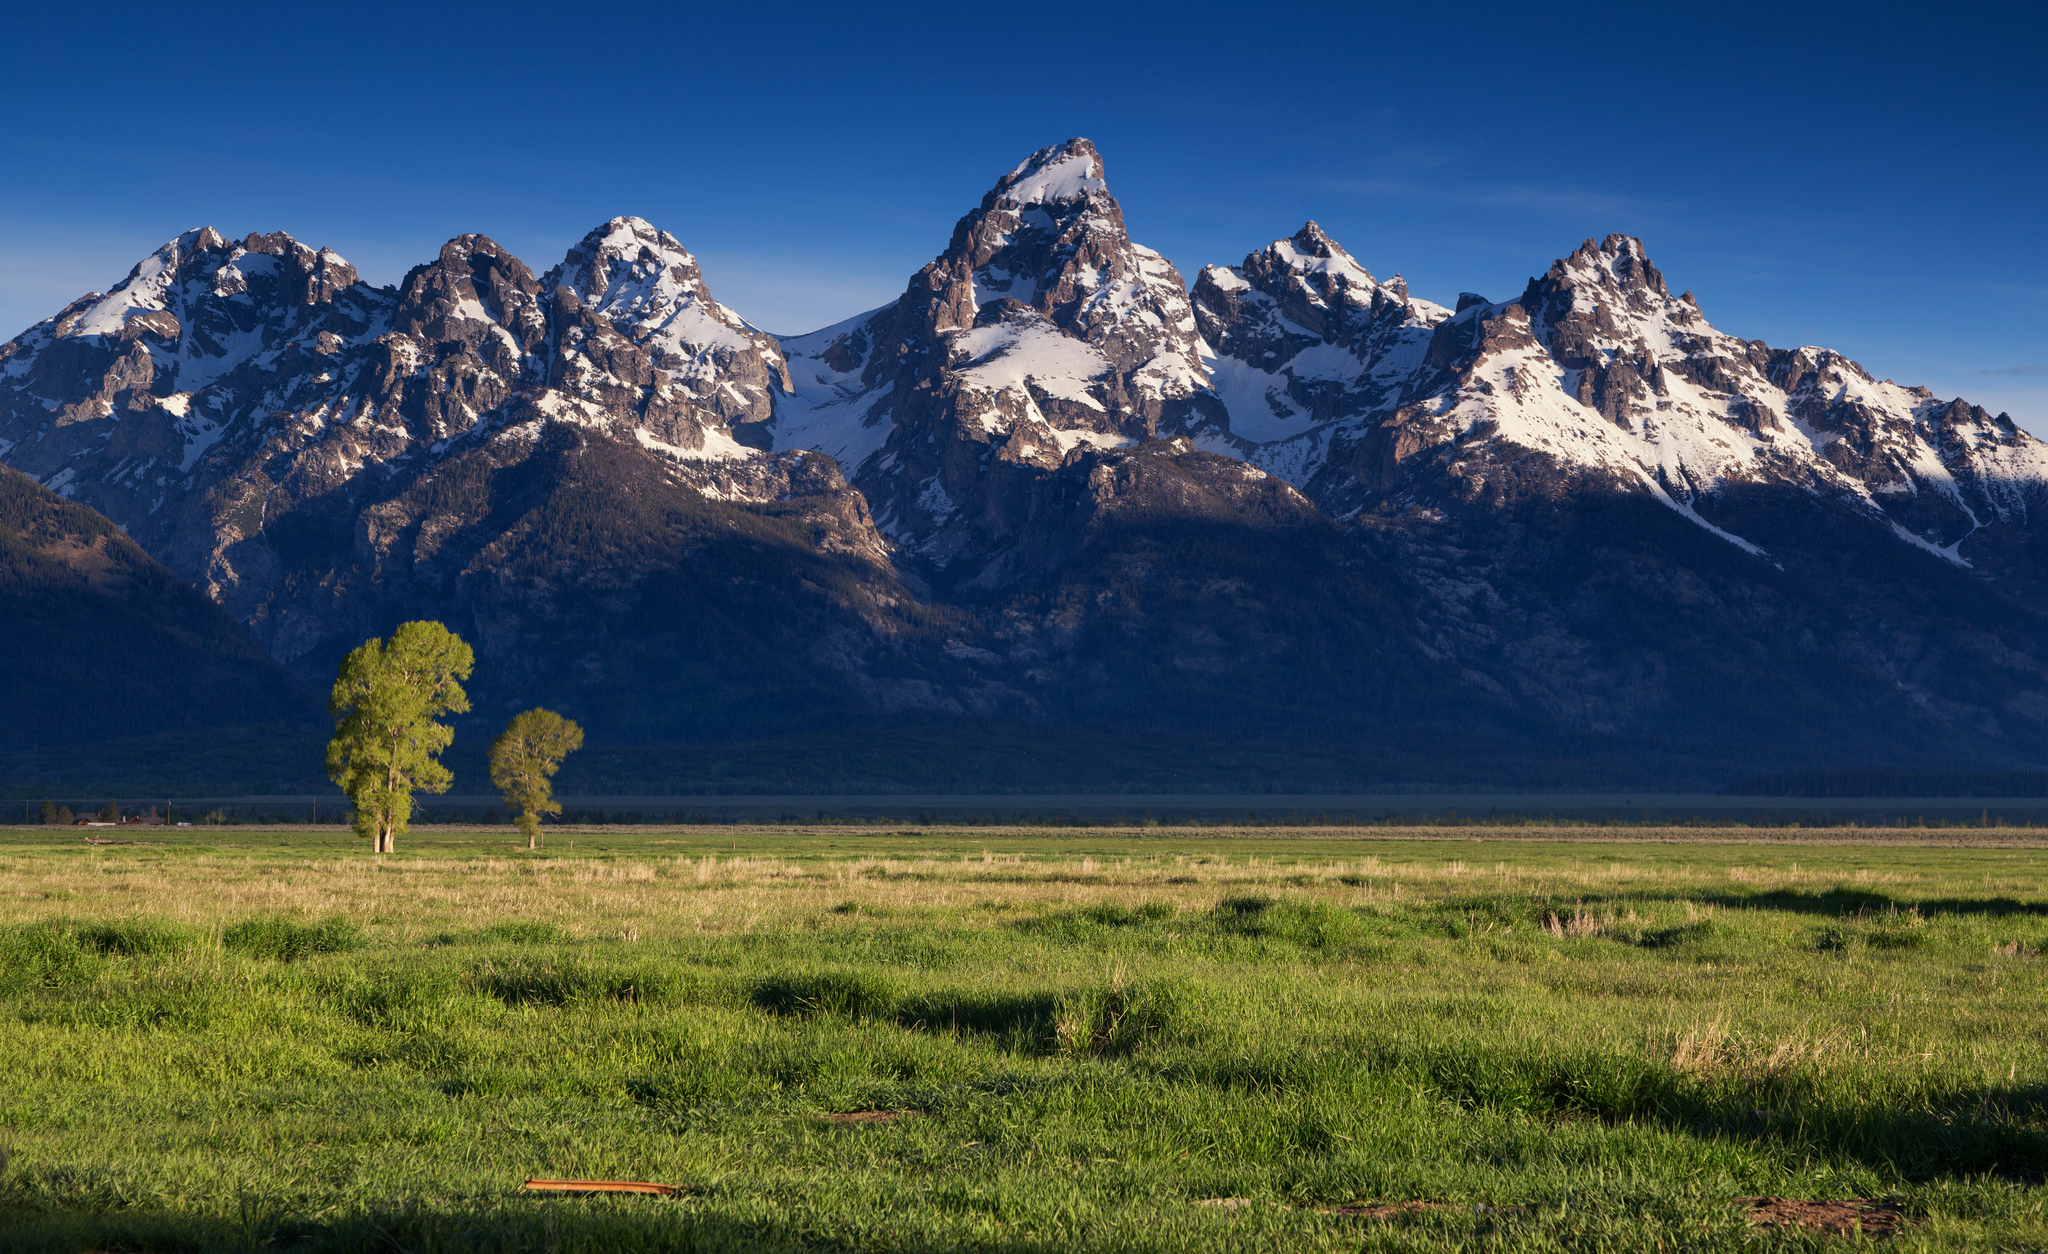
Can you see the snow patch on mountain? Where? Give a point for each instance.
(828, 408)
(646, 283)
(147, 287)
(1027, 356)
(718, 446)
(1057, 175)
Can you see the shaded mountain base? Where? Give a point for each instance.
(1889, 783)
(95, 636)
(928, 755)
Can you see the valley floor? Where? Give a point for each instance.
(1023, 1039)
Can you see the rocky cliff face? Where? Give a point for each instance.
(1049, 483)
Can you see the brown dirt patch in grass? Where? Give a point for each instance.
(1410, 1209)
(862, 1118)
(1843, 1217)
(1383, 1210)
(1375, 1210)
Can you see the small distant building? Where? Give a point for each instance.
(150, 819)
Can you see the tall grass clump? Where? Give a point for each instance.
(287, 941)
(846, 994)
(551, 982)
(1125, 1014)
(1318, 925)
(46, 955)
(523, 932)
(136, 938)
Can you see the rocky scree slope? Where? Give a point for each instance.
(1050, 483)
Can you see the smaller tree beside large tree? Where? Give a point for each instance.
(524, 759)
(386, 739)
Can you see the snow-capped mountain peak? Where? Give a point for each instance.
(645, 286)
(1043, 328)
(146, 290)
(1058, 174)
(637, 275)
(478, 293)
(1320, 260)
(1300, 336)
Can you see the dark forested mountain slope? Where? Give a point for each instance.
(101, 640)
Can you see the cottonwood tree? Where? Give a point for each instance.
(524, 759)
(386, 739)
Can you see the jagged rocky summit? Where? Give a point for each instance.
(1050, 483)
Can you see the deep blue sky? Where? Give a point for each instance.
(1866, 178)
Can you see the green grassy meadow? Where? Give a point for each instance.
(1016, 1039)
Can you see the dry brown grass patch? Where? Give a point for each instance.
(1578, 926)
(1711, 1049)
(1842, 1217)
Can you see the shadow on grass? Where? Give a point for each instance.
(1015, 1016)
(1985, 1130)
(566, 1225)
(1112, 1020)
(1836, 902)
(565, 983)
(1018, 1020)
(1829, 903)
(1305, 925)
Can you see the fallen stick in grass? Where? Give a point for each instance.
(602, 1186)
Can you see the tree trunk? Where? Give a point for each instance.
(387, 824)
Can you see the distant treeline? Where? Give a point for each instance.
(908, 754)
(1881, 782)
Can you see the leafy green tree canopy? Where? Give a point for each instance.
(386, 740)
(524, 759)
